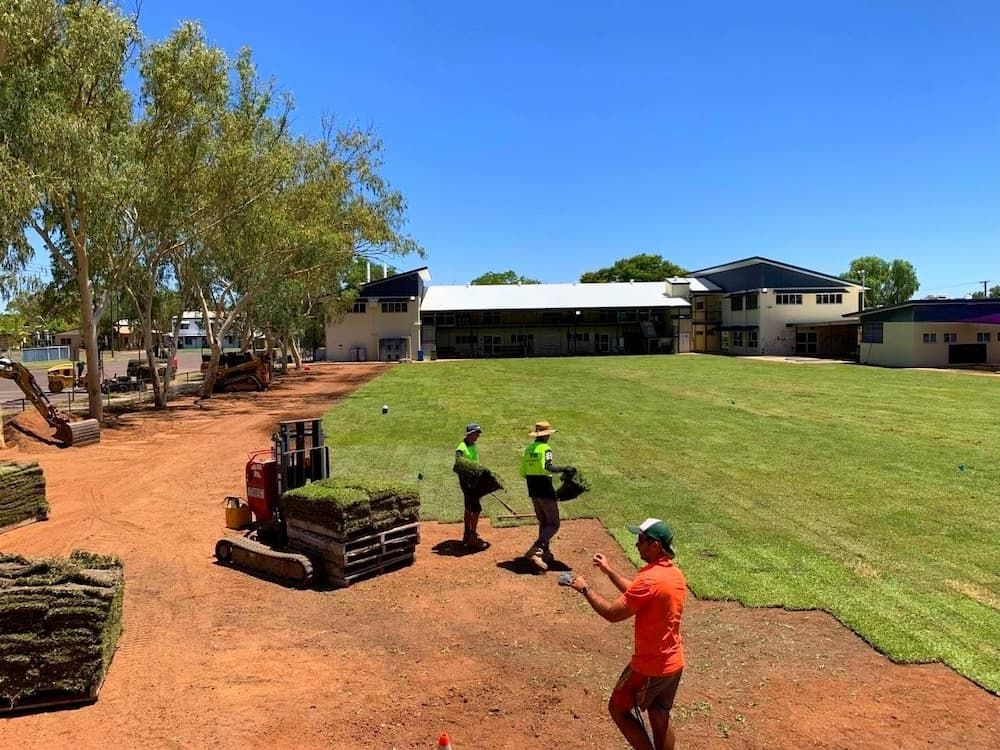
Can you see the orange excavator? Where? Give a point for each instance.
(68, 431)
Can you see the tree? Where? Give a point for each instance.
(65, 117)
(887, 283)
(643, 267)
(502, 277)
(994, 293)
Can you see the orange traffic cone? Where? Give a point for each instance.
(443, 742)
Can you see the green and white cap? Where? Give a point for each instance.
(655, 529)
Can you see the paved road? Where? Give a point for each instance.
(188, 360)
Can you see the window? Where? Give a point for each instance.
(829, 299)
(788, 299)
(752, 301)
(577, 336)
(737, 338)
(463, 319)
(930, 338)
(805, 342)
(950, 338)
(185, 326)
(491, 317)
(752, 338)
(736, 302)
(445, 318)
(360, 307)
(871, 333)
(522, 338)
(603, 343)
(551, 317)
(983, 337)
(466, 339)
(699, 304)
(394, 307)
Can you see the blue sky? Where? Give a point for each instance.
(553, 138)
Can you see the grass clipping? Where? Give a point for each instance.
(574, 484)
(475, 479)
(353, 508)
(60, 620)
(22, 493)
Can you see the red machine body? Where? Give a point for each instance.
(262, 487)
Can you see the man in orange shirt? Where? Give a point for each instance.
(656, 598)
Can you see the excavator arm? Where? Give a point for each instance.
(68, 432)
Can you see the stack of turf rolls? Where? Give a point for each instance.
(22, 493)
(60, 620)
(475, 479)
(574, 484)
(353, 508)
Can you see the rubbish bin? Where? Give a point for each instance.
(420, 355)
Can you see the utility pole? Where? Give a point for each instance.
(862, 272)
(985, 293)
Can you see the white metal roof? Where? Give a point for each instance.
(440, 298)
(697, 284)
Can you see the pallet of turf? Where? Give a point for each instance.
(353, 529)
(60, 620)
(22, 495)
(475, 479)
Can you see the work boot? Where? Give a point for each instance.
(534, 556)
(475, 542)
(547, 556)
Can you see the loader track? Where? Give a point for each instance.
(250, 555)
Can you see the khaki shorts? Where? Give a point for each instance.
(638, 690)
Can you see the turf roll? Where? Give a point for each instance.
(60, 620)
(574, 484)
(22, 493)
(475, 479)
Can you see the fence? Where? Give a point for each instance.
(45, 354)
(76, 401)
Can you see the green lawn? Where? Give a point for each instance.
(873, 494)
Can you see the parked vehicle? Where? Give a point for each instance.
(62, 377)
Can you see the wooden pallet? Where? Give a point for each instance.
(346, 559)
(44, 701)
(40, 516)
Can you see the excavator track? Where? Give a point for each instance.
(251, 555)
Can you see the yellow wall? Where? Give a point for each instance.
(774, 334)
(903, 344)
(365, 329)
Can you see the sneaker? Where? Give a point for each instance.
(534, 556)
(548, 557)
(475, 542)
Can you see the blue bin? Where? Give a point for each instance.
(420, 355)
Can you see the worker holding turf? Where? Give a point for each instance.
(536, 467)
(655, 597)
(469, 451)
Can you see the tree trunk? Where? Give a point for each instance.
(296, 355)
(89, 331)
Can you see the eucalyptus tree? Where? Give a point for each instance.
(301, 239)
(65, 125)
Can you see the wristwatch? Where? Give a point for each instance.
(584, 590)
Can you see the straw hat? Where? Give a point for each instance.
(542, 429)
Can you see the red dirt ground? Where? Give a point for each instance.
(213, 658)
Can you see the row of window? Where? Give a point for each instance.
(982, 337)
(387, 307)
(751, 339)
(738, 301)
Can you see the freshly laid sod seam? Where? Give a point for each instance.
(869, 493)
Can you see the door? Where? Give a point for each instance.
(491, 344)
(392, 350)
(684, 344)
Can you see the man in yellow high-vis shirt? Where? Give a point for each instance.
(536, 468)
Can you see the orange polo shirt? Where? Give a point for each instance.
(657, 595)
